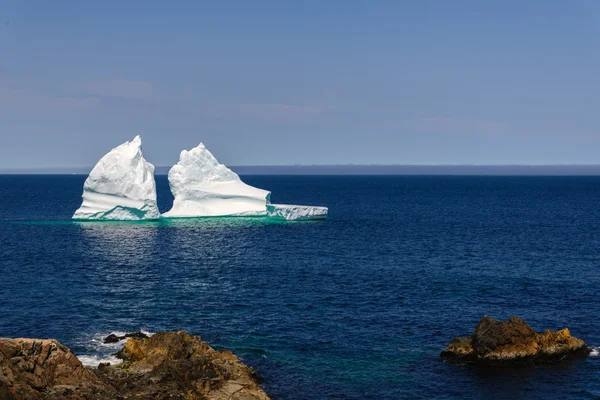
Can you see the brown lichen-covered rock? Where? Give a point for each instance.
(513, 342)
(43, 368)
(459, 350)
(169, 365)
(177, 362)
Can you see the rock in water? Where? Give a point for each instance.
(202, 187)
(175, 362)
(168, 365)
(513, 342)
(112, 338)
(120, 187)
(459, 350)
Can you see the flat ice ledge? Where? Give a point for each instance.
(118, 213)
(189, 209)
(296, 213)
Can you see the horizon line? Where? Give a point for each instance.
(362, 169)
(336, 165)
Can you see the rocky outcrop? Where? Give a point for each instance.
(168, 365)
(513, 342)
(42, 368)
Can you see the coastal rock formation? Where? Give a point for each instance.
(42, 368)
(168, 365)
(513, 342)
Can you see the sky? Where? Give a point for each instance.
(305, 82)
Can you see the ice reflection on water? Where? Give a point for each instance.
(120, 243)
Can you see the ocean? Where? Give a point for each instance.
(355, 307)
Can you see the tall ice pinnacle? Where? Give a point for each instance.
(120, 187)
(202, 187)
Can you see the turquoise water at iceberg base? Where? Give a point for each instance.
(355, 307)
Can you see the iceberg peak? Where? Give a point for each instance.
(203, 187)
(120, 187)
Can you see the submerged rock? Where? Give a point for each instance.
(497, 342)
(112, 338)
(168, 365)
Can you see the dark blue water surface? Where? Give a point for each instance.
(356, 307)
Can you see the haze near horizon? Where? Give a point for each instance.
(268, 83)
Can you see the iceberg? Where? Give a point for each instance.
(120, 187)
(295, 213)
(202, 187)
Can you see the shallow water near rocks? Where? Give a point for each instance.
(355, 307)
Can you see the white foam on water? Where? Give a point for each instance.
(93, 361)
(98, 338)
(595, 351)
(145, 332)
(99, 352)
(98, 341)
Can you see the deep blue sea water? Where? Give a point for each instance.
(356, 307)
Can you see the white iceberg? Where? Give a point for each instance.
(202, 187)
(120, 187)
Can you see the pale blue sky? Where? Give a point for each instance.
(305, 82)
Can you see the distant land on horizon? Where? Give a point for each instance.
(486, 170)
